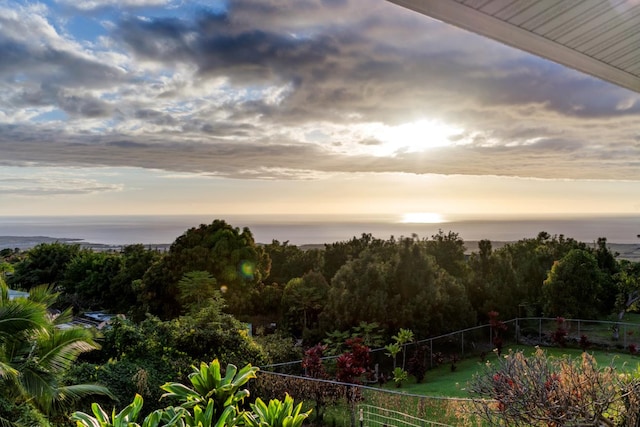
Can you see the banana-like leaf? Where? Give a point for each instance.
(230, 374)
(100, 414)
(276, 414)
(167, 417)
(227, 418)
(245, 374)
(85, 420)
(185, 394)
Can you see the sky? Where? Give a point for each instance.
(325, 107)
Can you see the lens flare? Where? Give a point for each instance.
(247, 269)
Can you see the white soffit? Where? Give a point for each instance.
(598, 37)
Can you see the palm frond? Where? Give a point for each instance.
(6, 423)
(66, 397)
(37, 385)
(44, 295)
(20, 316)
(65, 316)
(57, 351)
(4, 292)
(7, 371)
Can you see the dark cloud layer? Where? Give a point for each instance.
(278, 85)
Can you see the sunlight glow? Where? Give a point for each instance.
(416, 136)
(422, 218)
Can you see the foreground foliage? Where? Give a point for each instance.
(34, 356)
(543, 391)
(214, 399)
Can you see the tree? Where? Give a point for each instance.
(627, 282)
(518, 271)
(573, 286)
(480, 266)
(448, 251)
(339, 253)
(88, 279)
(628, 286)
(404, 337)
(45, 263)
(196, 290)
(304, 299)
(229, 254)
(609, 267)
(399, 278)
(360, 291)
(289, 261)
(35, 353)
(136, 260)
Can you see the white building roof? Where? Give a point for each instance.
(598, 37)
(17, 294)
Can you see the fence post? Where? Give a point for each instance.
(490, 335)
(462, 339)
(431, 353)
(539, 330)
(624, 330)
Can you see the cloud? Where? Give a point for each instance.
(54, 185)
(275, 89)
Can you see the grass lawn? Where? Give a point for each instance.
(442, 381)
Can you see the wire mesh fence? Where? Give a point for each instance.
(595, 334)
(339, 404)
(375, 416)
(350, 405)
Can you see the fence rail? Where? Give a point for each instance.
(375, 416)
(381, 407)
(447, 348)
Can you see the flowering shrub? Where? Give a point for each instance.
(352, 364)
(559, 336)
(312, 362)
(498, 327)
(541, 391)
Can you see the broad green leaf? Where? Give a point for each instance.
(84, 420)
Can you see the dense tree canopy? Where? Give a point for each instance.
(230, 255)
(46, 263)
(402, 279)
(573, 286)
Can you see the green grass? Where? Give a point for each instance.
(441, 381)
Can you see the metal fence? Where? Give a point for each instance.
(601, 334)
(349, 405)
(477, 341)
(376, 416)
(367, 406)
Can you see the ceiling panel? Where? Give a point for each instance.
(598, 37)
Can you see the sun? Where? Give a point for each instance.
(422, 218)
(418, 136)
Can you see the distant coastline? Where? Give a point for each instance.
(629, 251)
(302, 230)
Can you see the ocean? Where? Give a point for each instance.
(303, 230)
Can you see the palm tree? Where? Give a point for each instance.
(35, 352)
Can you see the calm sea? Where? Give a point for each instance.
(299, 230)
